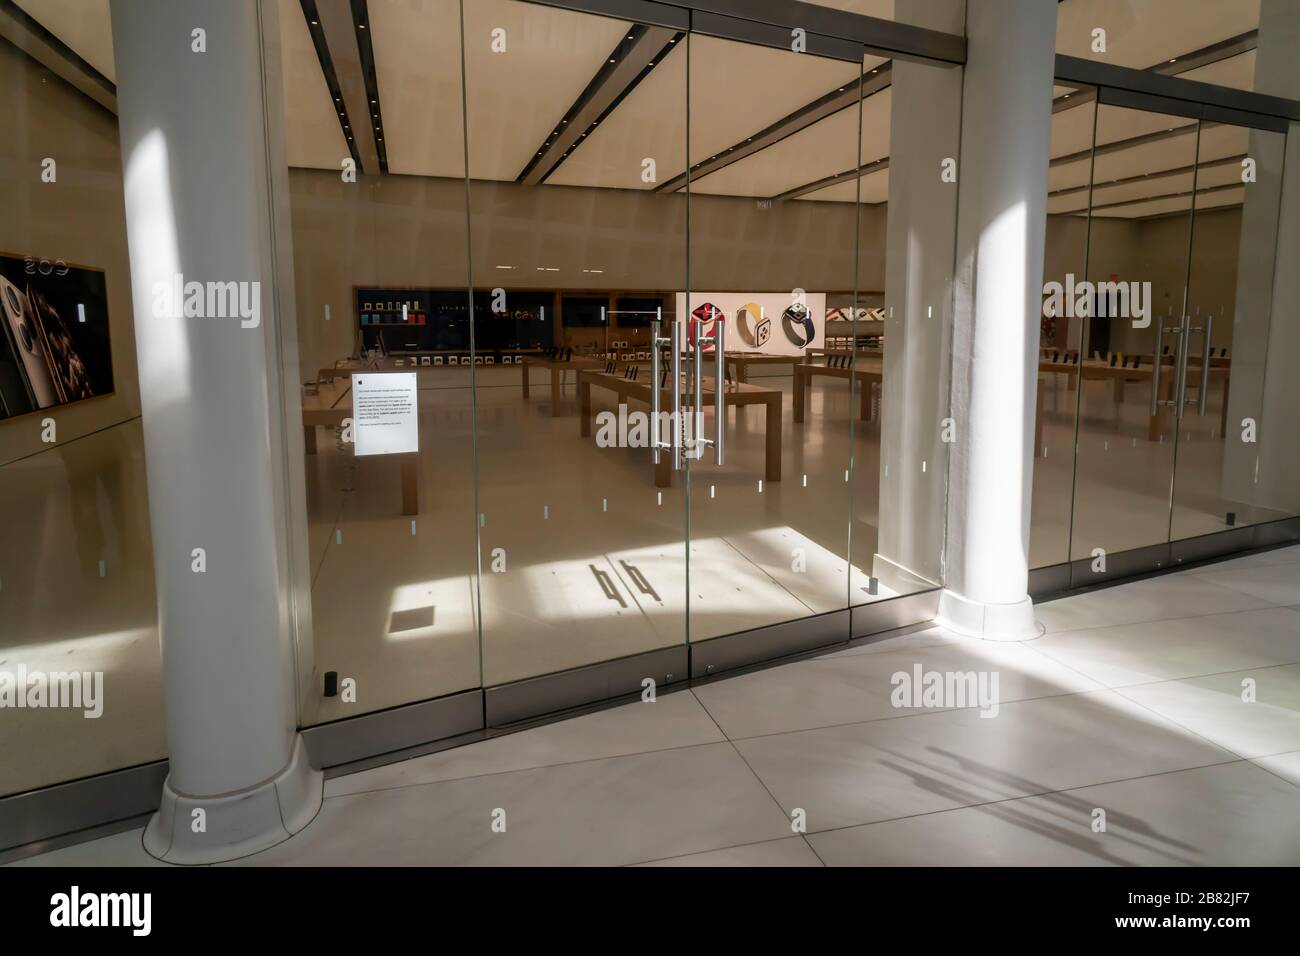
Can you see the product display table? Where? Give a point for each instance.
(874, 351)
(868, 372)
(331, 404)
(1160, 422)
(741, 361)
(558, 368)
(739, 394)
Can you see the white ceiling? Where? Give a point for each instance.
(515, 100)
(1143, 33)
(85, 26)
(312, 135)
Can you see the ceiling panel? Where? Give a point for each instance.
(1069, 175)
(1218, 141)
(1143, 33)
(84, 26)
(417, 67)
(875, 189)
(1115, 123)
(821, 150)
(1237, 72)
(313, 138)
(738, 90)
(515, 99)
(644, 126)
(1072, 129)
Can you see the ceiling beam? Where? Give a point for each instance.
(840, 98)
(1206, 55)
(1186, 193)
(334, 31)
(1154, 174)
(369, 77)
(630, 62)
(866, 169)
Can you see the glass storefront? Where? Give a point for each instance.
(77, 599)
(671, 301)
(557, 224)
(1157, 313)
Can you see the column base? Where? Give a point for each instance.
(240, 823)
(988, 622)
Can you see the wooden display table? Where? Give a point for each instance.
(867, 372)
(329, 407)
(558, 369)
(865, 351)
(741, 361)
(1159, 422)
(739, 394)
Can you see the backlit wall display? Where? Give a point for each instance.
(775, 323)
(54, 348)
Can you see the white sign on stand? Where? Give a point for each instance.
(385, 419)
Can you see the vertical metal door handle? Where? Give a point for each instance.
(676, 384)
(1206, 351)
(697, 408)
(1184, 340)
(655, 397)
(719, 383)
(1155, 368)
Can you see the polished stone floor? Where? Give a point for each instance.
(1169, 708)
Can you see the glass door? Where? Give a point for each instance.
(1230, 297)
(775, 140)
(1173, 314)
(575, 121)
(1131, 306)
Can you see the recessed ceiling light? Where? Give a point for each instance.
(1174, 60)
(361, 26)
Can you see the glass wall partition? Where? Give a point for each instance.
(1131, 345)
(1065, 260)
(575, 122)
(80, 674)
(1161, 345)
(771, 256)
(555, 251)
(1229, 307)
(376, 154)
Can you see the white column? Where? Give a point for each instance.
(197, 167)
(1001, 222)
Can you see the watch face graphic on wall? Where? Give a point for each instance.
(754, 328)
(798, 324)
(703, 319)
